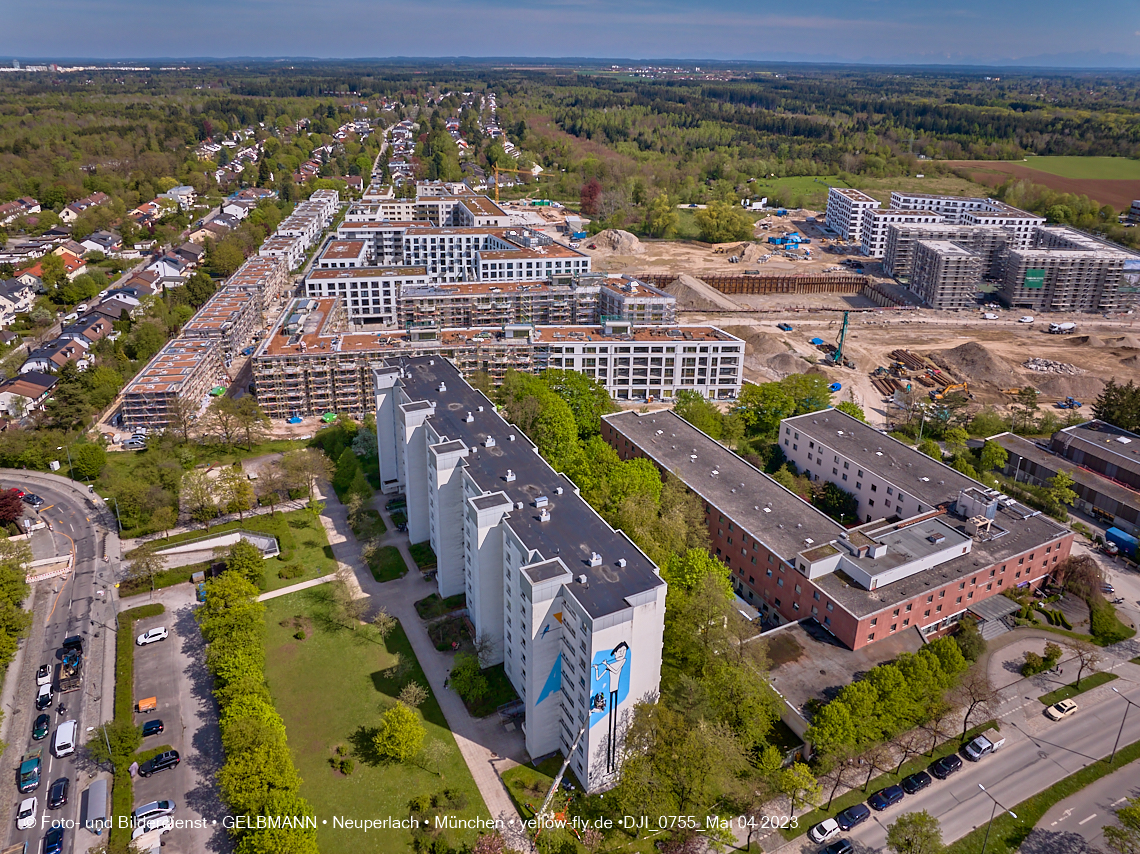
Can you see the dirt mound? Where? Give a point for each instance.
(694, 295)
(974, 362)
(783, 364)
(1087, 341)
(1083, 388)
(1130, 361)
(757, 343)
(752, 253)
(1128, 342)
(617, 241)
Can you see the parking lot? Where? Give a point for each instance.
(174, 672)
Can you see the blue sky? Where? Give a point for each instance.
(879, 31)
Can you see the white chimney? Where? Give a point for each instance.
(510, 476)
(469, 418)
(595, 559)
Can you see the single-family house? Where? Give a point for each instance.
(106, 242)
(92, 327)
(191, 253)
(17, 296)
(71, 213)
(170, 268)
(55, 354)
(11, 211)
(238, 208)
(118, 307)
(25, 393)
(183, 195)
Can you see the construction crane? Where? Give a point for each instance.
(949, 390)
(836, 358)
(498, 169)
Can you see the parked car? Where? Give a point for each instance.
(152, 728)
(44, 697)
(43, 674)
(944, 767)
(1107, 588)
(839, 846)
(57, 794)
(825, 830)
(981, 746)
(1025, 319)
(152, 636)
(853, 816)
(915, 782)
(134, 445)
(248, 351)
(887, 797)
(162, 822)
(26, 814)
(154, 809)
(1060, 711)
(53, 841)
(19, 492)
(162, 762)
(41, 727)
(989, 315)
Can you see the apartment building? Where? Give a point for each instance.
(946, 275)
(1065, 270)
(311, 364)
(931, 545)
(185, 369)
(467, 304)
(988, 241)
(343, 254)
(846, 211)
(877, 222)
(290, 250)
(572, 609)
(231, 316)
(626, 298)
(370, 294)
(383, 239)
(962, 210)
(268, 278)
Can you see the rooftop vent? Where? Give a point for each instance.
(490, 443)
(660, 432)
(693, 457)
(480, 408)
(769, 510)
(511, 437)
(582, 578)
(715, 472)
(518, 505)
(621, 561)
(937, 538)
(469, 418)
(808, 540)
(558, 490)
(544, 515)
(431, 361)
(595, 559)
(541, 501)
(443, 387)
(510, 476)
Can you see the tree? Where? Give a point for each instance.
(88, 460)
(909, 742)
(198, 493)
(852, 409)
(349, 606)
(252, 423)
(976, 696)
(1025, 405)
(384, 623)
(304, 467)
(413, 695)
(11, 506)
(937, 724)
(1088, 657)
(1125, 838)
(145, 564)
(222, 420)
(970, 641)
(164, 518)
(836, 502)
(434, 754)
(801, 787)
(587, 398)
(467, 678)
(272, 483)
(838, 769)
(591, 196)
(661, 218)
(915, 833)
(246, 560)
(1061, 488)
(994, 457)
(1119, 405)
(956, 439)
(721, 222)
(400, 735)
(235, 490)
(876, 758)
(931, 449)
(182, 415)
(698, 411)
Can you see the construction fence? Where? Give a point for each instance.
(842, 284)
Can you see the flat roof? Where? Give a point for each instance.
(947, 247)
(854, 195)
(179, 360)
(904, 212)
(574, 529)
(321, 273)
(553, 250)
(481, 206)
(344, 249)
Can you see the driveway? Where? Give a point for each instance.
(174, 671)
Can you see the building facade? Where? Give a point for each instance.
(877, 222)
(946, 275)
(183, 370)
(847, 210)
(571, 608)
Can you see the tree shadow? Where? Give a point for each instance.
(1042, 841)
(363, 743)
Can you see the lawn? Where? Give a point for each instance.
(528, 784)
(860, 794)
(500, 691)
(1066, 692)
(352, 677)
(432, 606)
(305, 550)
(372, 526)
(1088, 168)
(388, 564)
(423, 555)
(1008, 833)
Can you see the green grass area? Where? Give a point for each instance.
(166, 578)
(946, 185)
(1008, 833)
(528, 784)
(687, 228)
(388, 564)
(352, 677)
(1088, 168)
(499, 692)
(423, 555)
(370, 527)
(1066, 692)
(300, 535)
(432, 606)
(802, 191)
(858, 795)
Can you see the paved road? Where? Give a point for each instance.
(75, 605)
(1076, 824)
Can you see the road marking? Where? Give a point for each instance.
(1119, 801)
(1064, 816)
(1086, 820)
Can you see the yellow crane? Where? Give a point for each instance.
(497, 169)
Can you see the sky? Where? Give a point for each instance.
(967, 32)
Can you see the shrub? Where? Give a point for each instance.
(285, 556)
(291, 571)
(299, 634)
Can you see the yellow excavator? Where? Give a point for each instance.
(949, 390)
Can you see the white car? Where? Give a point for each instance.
(152, 636)
(989, 315)
(1025, 319)
(43, 675)
(162, 823)
(26, 815)
(825, 830)
(1060, 711)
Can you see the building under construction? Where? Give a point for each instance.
(946, 275)
(1065, 271)
(988, 241)
(183, 370)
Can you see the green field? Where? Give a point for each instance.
(1087, 168)
(332, 689)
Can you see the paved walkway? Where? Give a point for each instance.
(487, 747)
(293, 588)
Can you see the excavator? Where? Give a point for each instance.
(949, 390)
(837, 358)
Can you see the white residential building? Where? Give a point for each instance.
(846, 209)
(876, 224)
(963, 210)
(572, 609)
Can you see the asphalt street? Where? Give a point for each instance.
(1076, 825)
(77, 604)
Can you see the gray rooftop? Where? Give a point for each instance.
(1039, 456)
(573, 531)
(766, 510)
(1104, 441)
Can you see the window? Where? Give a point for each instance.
(830, 607)
(815, 595)
(871, 636)
(906, 622)
(779, 582)
(896, 612)
(874, 487)
(908, 607)
(926, 613)
(875, 621)
(958, 601)
(894, 626)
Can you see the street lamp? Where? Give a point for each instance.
(1122, 720)
(70, 471)
(993, 812)
(117, 519)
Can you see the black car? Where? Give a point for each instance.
(915, 782)
(152, 728)
(57, 794)
(162, 762)
(41, 727)
(53, 841)
(946, 766)
(839, 846)
(887, 797)
(853, 816)
(34, 500)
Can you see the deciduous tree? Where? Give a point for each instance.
(400, 735)
(915, 833)
(246, 560)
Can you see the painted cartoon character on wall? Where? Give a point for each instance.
(611, 686)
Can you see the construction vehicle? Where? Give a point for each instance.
(837, 358)
(953, 388)
(1069, 403)
(1062, 328)
(70, 671)
(1014, 391)
(498, 169)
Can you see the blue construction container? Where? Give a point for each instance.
(1124, 541)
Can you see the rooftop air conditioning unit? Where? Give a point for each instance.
(558, 490)
(595, 559)
(621, 561)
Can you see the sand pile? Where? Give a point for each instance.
(1128, 342)
(1084, 388)
(617, 241)
(974, 362)
(757, 343)
(694, 295)
(1088, 341)
(1130, 361)
(783, 364)
(752, 253)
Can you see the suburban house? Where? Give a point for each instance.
(90, 328)
(212, 230)
(170, 269)
(34, 274)
(16, 297)
(238, 208)
(71, 213)
(55, 354)
(106, 242)
(25, 393)
(119, 307)
(11, 211)
(183, 195)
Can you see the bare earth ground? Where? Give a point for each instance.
(1119, 194)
